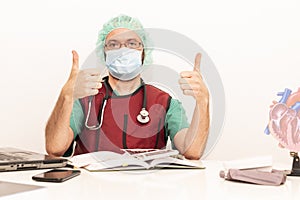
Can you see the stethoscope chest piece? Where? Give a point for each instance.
(143, 117)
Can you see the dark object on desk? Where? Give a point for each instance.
(56, 175)
(255, 176)
(12, 159)
(296, 165)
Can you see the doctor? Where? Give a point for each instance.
(121, 111)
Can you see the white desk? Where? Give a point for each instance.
(155, 184)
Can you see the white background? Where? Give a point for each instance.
(254, 45)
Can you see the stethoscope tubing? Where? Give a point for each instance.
(143, 116)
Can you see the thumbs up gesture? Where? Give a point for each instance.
(82, 83)
(192, 84)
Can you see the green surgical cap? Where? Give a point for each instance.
(124, 21)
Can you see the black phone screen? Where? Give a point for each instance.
(56, 175)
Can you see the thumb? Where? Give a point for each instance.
(197, 62)
(75, 64)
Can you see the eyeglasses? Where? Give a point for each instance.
(114, 44)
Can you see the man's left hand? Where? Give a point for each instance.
(192, 84)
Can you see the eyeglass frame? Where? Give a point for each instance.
(124, 43)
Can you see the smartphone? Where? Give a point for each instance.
(56, 175)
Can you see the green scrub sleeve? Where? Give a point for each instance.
(77, 118)
(176, 118)
(76, 124)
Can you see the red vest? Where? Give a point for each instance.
(120, 128)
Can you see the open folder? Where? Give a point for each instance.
(133, 159)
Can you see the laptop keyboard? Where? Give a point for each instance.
(4, 157)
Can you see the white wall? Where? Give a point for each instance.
(254, 45)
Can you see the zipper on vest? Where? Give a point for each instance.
(158, 133)
(125, 131)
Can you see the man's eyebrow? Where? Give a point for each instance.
(112, 40)
(132, 39)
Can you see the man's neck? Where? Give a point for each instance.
(124, 87)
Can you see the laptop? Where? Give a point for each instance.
(13, 159)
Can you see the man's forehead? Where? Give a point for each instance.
(122, 34)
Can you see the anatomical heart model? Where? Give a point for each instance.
(284, 123)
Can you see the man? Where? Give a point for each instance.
(120, 111)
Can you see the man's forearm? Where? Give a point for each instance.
(59, 135)
(191, 141)
(197, 133)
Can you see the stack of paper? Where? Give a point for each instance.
(259, 162)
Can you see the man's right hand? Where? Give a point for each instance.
(83, 82)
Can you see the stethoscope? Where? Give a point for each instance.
(143, 116)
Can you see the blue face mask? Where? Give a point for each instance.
(124, 63)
